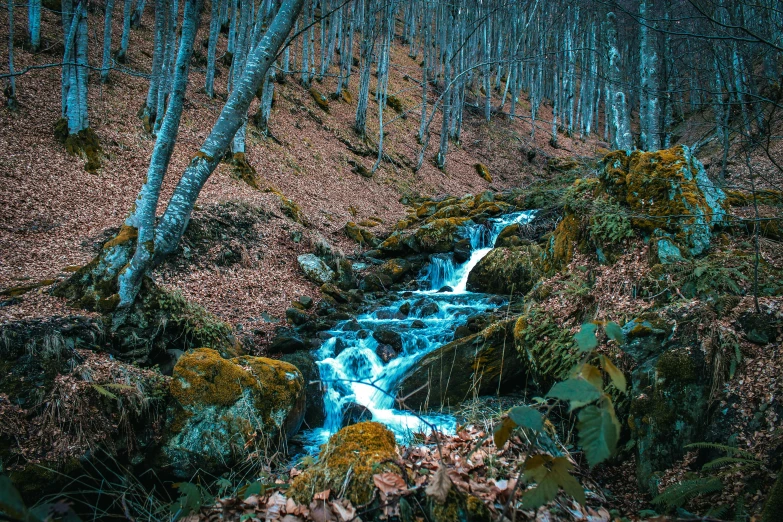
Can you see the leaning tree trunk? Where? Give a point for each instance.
(113, 278)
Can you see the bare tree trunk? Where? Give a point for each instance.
(620, 119)
(122, 53)
(148, 111)
(105, 65)
(10, 90)
(214, 33)
(34, 24)
(137, 14)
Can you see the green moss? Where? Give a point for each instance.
(84, 144)
(676, 367)
(348, 462)
(202, 378)
(244, 171)
(483, 171)
(394, 103)
(319, 99)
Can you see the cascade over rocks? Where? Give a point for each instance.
(219, 402)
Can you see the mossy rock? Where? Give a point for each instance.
(667, 190)
(507, 270)
(320, 100)
(359, 234)
(483, 171)
(348, 462)
(225, 408)
(482, 363)
(244, 171)
(438, 235)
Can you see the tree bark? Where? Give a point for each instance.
(105, 63)
(34, 24)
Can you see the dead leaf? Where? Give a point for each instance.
(344, 509)
(389, 483)
(440, 486)
(323, 495)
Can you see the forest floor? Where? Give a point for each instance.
(55, 214)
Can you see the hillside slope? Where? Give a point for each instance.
(55, 214)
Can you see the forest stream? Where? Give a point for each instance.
(351, 362)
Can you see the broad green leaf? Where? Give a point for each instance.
(592, 375)
(585, 339)
(617, 377)
(190, 498)
(577, 391)
(549, 474)
(614, 332)
(598, 431)
(526, 417)
(503, 432)
(11, 502)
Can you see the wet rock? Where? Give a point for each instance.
(324, 308)
(339, 346)
(418, 324)
(315, 269)
(509, 236)
(355, 413)
(377, 282)
(335, 293)
(385, 353)
(461, 331)
(304, 360)
(346, 277)
(296, 316)
(507, 270)
(306, 302)
(396, 269)
(445, 289)
(217, 402)
(481, 362)
(439, 235)
(425, 307)
(286, 340)
(390, 337)
(363, 450)
(462, 251)
(352, 326)
(405, 309)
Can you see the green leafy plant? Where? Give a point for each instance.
(599, 429)
(676, 495)
(191, 498)
(609, 223)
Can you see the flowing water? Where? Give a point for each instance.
(353, 373)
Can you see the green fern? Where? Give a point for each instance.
(729, 450)
(678, 494)
(722, 461)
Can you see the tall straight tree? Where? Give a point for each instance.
(10, 90)
(621, 125)
(214, 33)
(122, 53)
(147, 112)
(112, 280)
(106, 62)
(34, 23)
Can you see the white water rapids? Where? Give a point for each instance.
(352, 372)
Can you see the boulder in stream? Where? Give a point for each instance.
(481, 362)
(505, 270)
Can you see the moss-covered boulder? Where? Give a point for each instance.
(223, 409)
(481, 363)
(359, 234)
(439, 235)
(672, 386)
(667, 191)
(348, 462)
(507, 270)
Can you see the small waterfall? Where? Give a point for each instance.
(352, 370)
